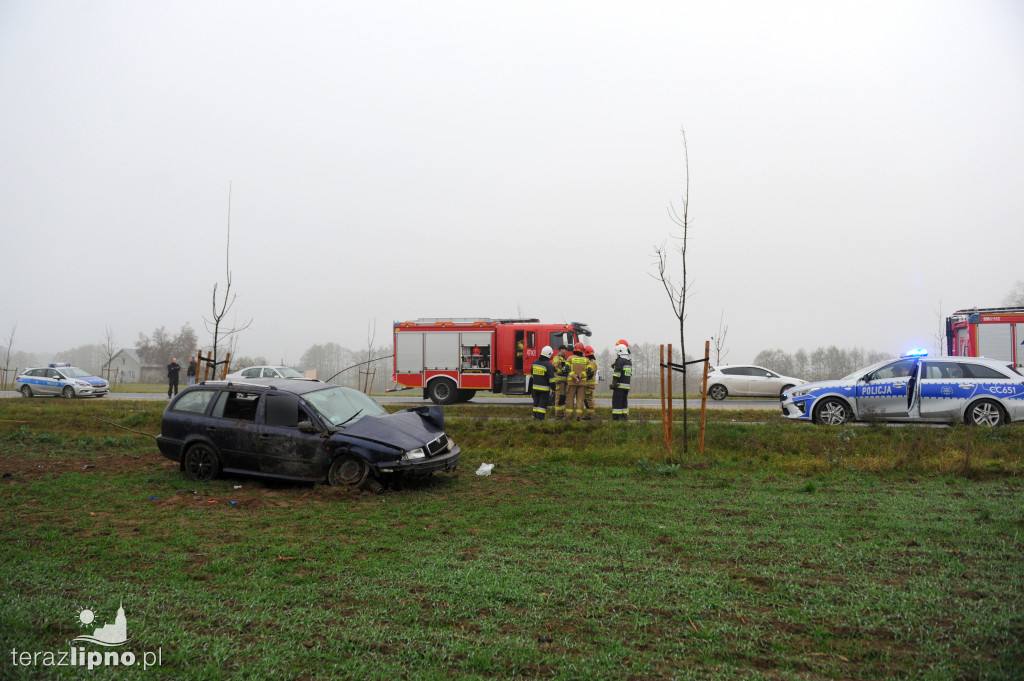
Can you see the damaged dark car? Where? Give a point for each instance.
(303, 431)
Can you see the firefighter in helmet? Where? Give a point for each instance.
(542, 372)
(622, 372)
(558, 381)
(576, 384)
(588, 395)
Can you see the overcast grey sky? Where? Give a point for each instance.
(853, 165)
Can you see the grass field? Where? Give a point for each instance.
(786, 552)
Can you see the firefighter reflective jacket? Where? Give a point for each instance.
(591, 370)
(578, 369)
(560, 364)
(622, 371)
(542, 373)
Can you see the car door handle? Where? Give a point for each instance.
(965, 386)
(211, 429)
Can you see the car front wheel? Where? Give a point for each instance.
(985, 413)
(832, 412)
(68, 392)
(784, 389)
(26, 391)
(718, 392)
(347, 471)
(201, 463)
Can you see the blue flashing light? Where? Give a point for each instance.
(916, 352)
(60, 364)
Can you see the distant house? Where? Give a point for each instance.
(127, 367)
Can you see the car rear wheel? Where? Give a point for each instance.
(832, 412)
(68, 392)
(442, 391)
(347, 471)
(985, 413)
(718, 392)
(26, 391)
(201, 463)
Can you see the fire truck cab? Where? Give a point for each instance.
(993, 332)
(451, 359)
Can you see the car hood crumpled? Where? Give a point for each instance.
(407, 429)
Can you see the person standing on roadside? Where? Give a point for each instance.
(622, 372)
(542, 372)
(173, 369)
(576, 384)
(192, 365)
(588, 394)
(560, 363)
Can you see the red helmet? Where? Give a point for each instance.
(622, 342)
(588, 350)
(578, 347)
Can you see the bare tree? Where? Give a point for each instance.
(9, 343)
(221, 309)
(1016, 295)
(108, 347)
(718, 340)
(679, 291)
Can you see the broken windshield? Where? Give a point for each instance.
(340, 406)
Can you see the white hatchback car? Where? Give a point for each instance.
(747, 380)
(265, 372)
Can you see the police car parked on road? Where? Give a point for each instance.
(60, 379)
(916, 388)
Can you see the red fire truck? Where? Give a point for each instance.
(453, 358)
(994, 332)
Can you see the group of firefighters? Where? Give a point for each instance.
(566, 382)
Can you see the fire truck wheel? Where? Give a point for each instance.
(442, 391)
(466, 395)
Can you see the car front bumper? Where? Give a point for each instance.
(442, 462)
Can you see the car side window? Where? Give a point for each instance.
(980, 371)
(901, 369)
(734, 371)
(251, 373)
(194, 402)
(236, 405)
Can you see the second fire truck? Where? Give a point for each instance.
(451, 359)
(993, 332)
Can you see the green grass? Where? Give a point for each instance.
(786, 552)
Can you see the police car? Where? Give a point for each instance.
(60, 379)
(914, 388)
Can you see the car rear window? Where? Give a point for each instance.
(194, 402)
(236, 405)
(982, 371)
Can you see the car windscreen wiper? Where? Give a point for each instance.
(350, 418)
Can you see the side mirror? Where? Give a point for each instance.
(308, 427)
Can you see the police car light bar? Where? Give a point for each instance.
(916, 352)
(59, 364)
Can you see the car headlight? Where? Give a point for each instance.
(82, 383)
(796, 393)
(414, 454)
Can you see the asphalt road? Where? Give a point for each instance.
(411, 399)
